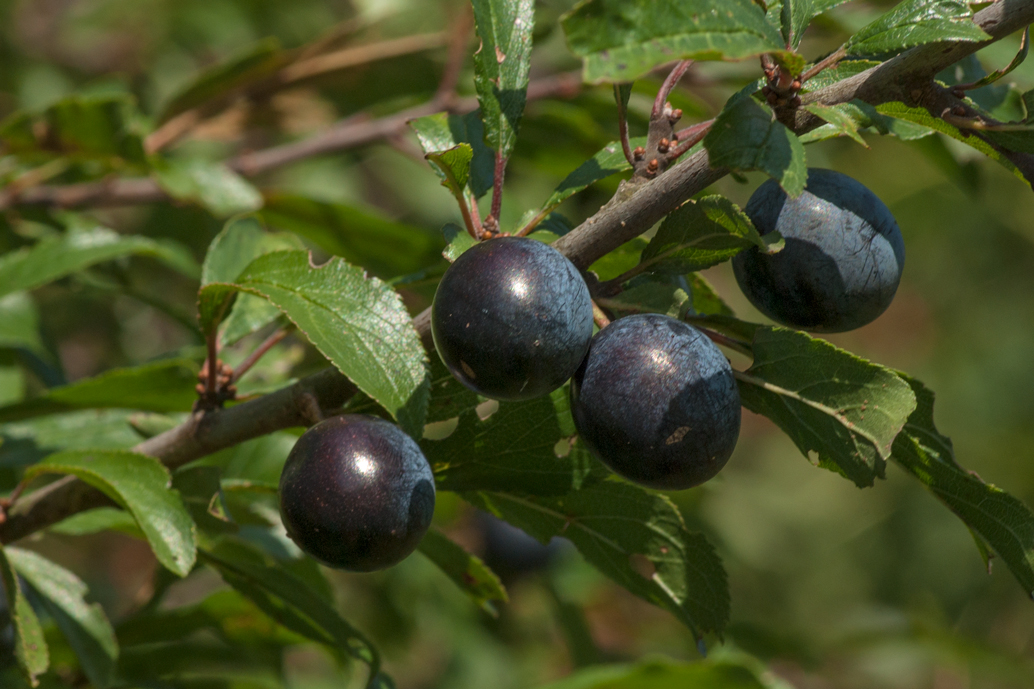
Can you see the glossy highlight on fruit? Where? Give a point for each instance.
(512, 318)
(356, 493)
(843, 256)
(656, 401)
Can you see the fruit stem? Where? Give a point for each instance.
(599, 316)
(667, 87)
(260, 351)
(623, 126)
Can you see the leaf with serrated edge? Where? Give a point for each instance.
(501, 67)
(610, 160)
(621, 40)
(467, 571)
(443, 131)
(842, 123)
(453, 165)
(360, 324)
(706, 301)
(1005, 523)
(636, 538)
(30, 647)
(915, 22)
(140, 484)
(84, 625)
(700, 234)
(827, 400)
(747, 136)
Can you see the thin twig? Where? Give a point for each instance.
(623, 125)
(726, 341)
(667, 87)
(212, 363)
(599, 316)
(270, 342)
(690, 137)
(829, 61)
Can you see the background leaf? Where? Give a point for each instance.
(653, 674)
(140, 484)
(30, 647)
(83, 624)
(468, 572)
(915, 22)
(214, 186)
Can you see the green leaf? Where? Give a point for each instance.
(163, 386)
(915, 22)
(609, 161)
(81, 128)
(621, 40)
(27, 442)
(211, 185)
(139, 484)
(288, 599)
(248, 315)
(706, 301)
(19, 324)
(253, 64)
(360, 324)
(30, 648)
(57, 257)
(84, 625)
(700, 234)
(513, 450)
(999, 519)
(841, 122)
(795, 15)
(97, 520)
(384, 247)
(453, 166)
(202, 495)
(845, 409)
(457, 240)
(650, 297)
(1021, 55)
(654, 674)
(501, 67)
(468, 572)
(842, 70)
(747, 136)
(620, 260)
(636, 538)
(443, 131)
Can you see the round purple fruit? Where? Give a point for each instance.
(843, 256)
(356, 493)
(656, 401)
(512, 318)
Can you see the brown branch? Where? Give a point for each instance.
(635, 208)
(349, 133)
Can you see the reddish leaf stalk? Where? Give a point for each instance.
(270, 342)
(666, 88)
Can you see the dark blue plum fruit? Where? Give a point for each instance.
(511, 552)
(656, 401)
(356, 493)
(843, 256)
(512, 318)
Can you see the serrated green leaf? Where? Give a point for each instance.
(842, 123)
(457, 241)
(915, 22)
(51, 259)
(202, 494)
(620, 260)
(636, 538)
(449, 398)
(248, 315)
(26, 442)
(610, 160)
(30, 647)
(842, 70)
(84, 625)
(653, 674)
(97, 520)
(81, 128)
(444, 131)
(747, 136)
(253, 64)
(621, 40)
(501, 67)
(650, 297)
(240, 242)
(163, 386)
(360, 324)
(211, 185)
(19, 324)
(829, 401)
(794, 17)
(467, 571)
(1005, 523)
(706, 301)
(513, 450)
(1021, 55)
(287, 599)
(700, 234)
(384, 247)
(140, 484)
(453, 166)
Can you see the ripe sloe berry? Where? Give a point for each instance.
(356, 493)
(512, 318)
(843, 256)
(656, 401)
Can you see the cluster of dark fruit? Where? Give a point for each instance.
(651, 396)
